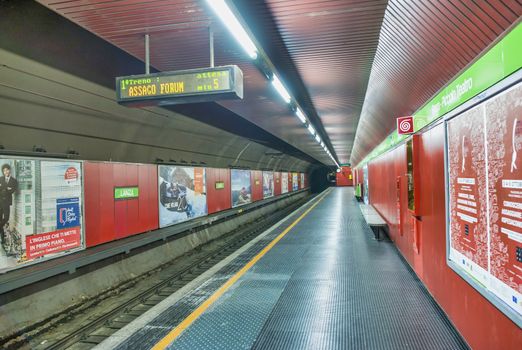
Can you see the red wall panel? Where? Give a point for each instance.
(290, 182)
(344, 177)
(256, 181)
(218, 199)
(277, 183)
(107, 219)
(480, 323)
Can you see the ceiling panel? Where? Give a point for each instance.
(422, 46)
(333, 44)
(179, 39)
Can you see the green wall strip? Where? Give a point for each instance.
(500, 61)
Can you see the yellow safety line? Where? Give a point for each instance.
(169, 338)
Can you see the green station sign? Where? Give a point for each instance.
(122, 193)
(500, 61)
(187, 86)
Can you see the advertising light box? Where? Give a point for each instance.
(284, 182)
(241, 187)
(295, 182)
(268, 184)
(484, 158)
(182, 194)
(41, 207)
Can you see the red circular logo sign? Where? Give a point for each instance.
(71, 174)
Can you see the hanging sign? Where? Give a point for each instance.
(187, 86)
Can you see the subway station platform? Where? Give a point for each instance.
(318, 280)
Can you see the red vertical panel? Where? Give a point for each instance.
(256, 181)
(277, 183)
(107, 176)
(120, 207)
(290, 182)
(148, 202)
(132, 218)
(218, 199)
(91, 177)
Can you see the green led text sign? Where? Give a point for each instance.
(187, 86)
(126, 193)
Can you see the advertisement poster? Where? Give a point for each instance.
(40, 210)
(241, 187)
(366, 187)
(468, 201)
(295, 183)
(485, 201)
(182, 194)
(284, 182)
(302, 180)
(504, 155)
(268, 184)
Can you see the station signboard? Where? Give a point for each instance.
(178, 87)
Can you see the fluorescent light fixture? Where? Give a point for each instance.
(234, 27)
(280, 88)
(311, 129)
(300, 115)
(322, 144)
(317, 138)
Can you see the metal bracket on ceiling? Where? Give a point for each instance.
(211, 44)
(147, 54)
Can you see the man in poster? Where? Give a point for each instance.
(8, 186)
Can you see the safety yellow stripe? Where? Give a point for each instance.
(169, 338)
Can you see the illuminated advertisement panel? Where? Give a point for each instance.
(504, 157)
(182, 194)
(268, 184)
(241, 187)
(284, 182)
(467, 176)
(484, 158)
(41, 209)
(302, 180)
(295, 182)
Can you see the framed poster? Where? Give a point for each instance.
(284, 182)
(295, 182)
(268, 184)
(484, 195)
(241, 187)
(41, 210)
(182, 194)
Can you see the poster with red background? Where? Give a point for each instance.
(467, 179)
(504, 143)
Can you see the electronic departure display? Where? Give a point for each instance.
(187, 86)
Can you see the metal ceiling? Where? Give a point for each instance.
(333, 44)
(422, 46)
(352, 64)
(179, 39)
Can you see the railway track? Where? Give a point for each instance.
(173, 277)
